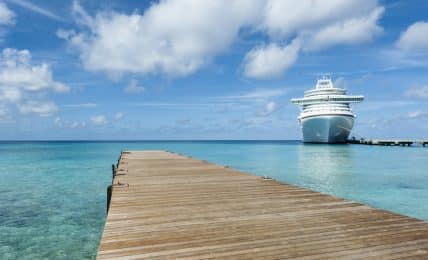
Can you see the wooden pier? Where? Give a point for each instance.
(168, 206)
(385, 142)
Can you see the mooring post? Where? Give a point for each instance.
(110, 187)
(113, 172)
(118, 160)
(109, 191)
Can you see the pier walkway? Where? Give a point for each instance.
(168, 206)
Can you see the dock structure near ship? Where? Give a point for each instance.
(383, 142)
(387, 142)
(168, 206)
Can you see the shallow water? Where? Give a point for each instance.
(53, 194)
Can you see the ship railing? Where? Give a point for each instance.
(331, 99)
(326, 110)
(315, 92)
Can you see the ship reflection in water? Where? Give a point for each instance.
(328, 169)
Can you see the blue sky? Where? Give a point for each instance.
(182, 69)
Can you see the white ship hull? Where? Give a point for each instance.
(327, 128)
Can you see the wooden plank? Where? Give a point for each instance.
(169, 206)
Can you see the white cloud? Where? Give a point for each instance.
(118, 115)
(314, 25)
(18, 74)
(6, 15)
(37, 9)
(284, 18)
(23, 83)
(38, 107)
(417, 92)
(414, 38)
(99, 120)
(270, 61)
(268, 109)
(410, 49)
(133, 88)
(349, 31)
(162, 40)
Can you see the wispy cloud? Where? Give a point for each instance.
(6, 15)
(38, 107)
(36, 9)
(99, 120)
(384, 104)
(5, 116)
(268, 109)
(397, 59)
(134, 88)
(417, 114)
(417, 92)
(81, 105)
(119, 115)
(59, 122)
(259, 94)
(160, 104)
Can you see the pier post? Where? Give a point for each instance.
(113, 170)
(109, 191)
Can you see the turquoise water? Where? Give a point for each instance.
(53, 194)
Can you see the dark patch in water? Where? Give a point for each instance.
(407, 186)
(21, 216)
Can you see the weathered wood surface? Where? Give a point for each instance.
(179, 207)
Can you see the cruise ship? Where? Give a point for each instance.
(326, 116)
